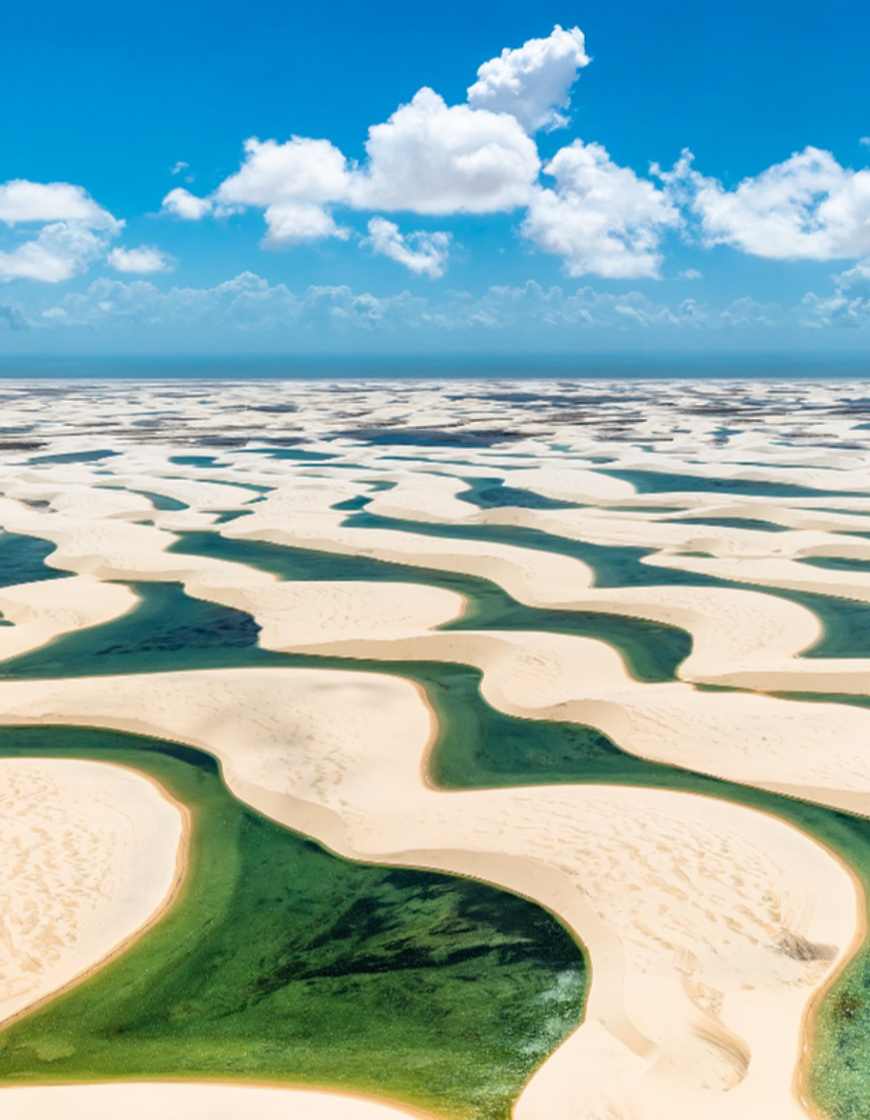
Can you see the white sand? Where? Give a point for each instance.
(186, 1101)
(48, 609)
(697, 913)
(690, 907)
(88, 854)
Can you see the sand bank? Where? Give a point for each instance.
(89, 853)
(190, 1101)
(691, 908)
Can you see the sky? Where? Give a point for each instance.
(493, 178)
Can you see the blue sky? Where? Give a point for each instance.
(522, 216)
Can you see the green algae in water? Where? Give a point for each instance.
(479, 748)
(284, 962)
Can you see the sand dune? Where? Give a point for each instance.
(709, 926)
(42, 611)
(88, 854)
(688, 906)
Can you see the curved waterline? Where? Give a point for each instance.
(542, 752)
(283, 962)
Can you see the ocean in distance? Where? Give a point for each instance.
(436, 367)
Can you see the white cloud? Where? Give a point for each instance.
(249, 303)
(183, 204)
(427, 158)
(690, 274)
(179, 167)
(856, 277)
(72, 230)
(838, 311)
(601, 218)
(293, 182)
(58, 252)
(864, 140)
(431, 158)
(808, 207)
(425, 254)
(145, 259)
(22, 201)
(301, 170)
(533, 82)
(292, 223)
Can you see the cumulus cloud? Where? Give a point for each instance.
(601, 218)
(479, 157)
(838, 311)
(249, 303)
(533, 82)
(434, 158)
(59, 230)
(245, 303)
(143, 260)
(301, 170)
(428, 157)
(809, 207)
(425, 254)
(22, 201)
(291, 182)
(292, 223)
(856, 277)
(183, 204)
(59, 251)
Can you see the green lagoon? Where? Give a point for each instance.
(282, 961)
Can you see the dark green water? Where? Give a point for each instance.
(657, 482)
(837, 563)
(491, 493)
(162, 501)
(159, 501)
(283, 962)
(755, 523)
(845, 622)
(22, 560)
(194, 460)
(288, 453)
(477, 748)
(651, 650)
(74, 457)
